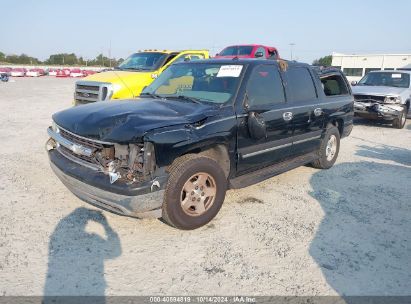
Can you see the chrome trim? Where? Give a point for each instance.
(75, 148)
(266, 150)
(85, 138)
(307, 139)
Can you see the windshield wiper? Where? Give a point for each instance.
(185, 97)
(146, 94)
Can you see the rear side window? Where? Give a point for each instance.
(300, 84)
(334, 85)
(265, 87)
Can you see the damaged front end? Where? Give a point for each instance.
(384, 107)
(109, 175)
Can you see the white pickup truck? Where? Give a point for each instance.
(384, 95)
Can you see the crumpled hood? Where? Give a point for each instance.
(128, 120)
(378, 90)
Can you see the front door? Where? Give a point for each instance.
(264, 133)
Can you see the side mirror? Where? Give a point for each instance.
(258, 54)
(217, 54)
(256, 126)
(354, 83)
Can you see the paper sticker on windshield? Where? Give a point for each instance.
(230, 71)
(395, 75)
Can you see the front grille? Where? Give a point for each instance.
(90, 91)
(89, 161)
(80, 140)
(369, 98)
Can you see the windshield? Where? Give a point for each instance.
(394, 79)
(143, 62)
(202, 82)
(237, 51)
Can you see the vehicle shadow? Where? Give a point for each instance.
(386, 152)
(363, 242)
(76, 257)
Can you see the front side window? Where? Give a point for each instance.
(146, 61)
(201, 82)
(387, 79)
(265, 86)
(300, 84)
(242, 50)
(261, 50)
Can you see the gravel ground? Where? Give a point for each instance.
(341, 231)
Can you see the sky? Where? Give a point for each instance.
(317, 28)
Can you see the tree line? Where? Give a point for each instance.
(60, 59)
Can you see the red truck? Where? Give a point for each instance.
(249, 51)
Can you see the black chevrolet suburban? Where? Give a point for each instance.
(199, 129)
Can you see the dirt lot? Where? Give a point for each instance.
(346, 230)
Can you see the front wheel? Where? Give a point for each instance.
(329, 149)
(400, 121)
(194, 193)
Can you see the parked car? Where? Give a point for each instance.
(36, 72)
(52, 72)
(88, 72)
(76, 73)
(249, 51)
(384, 95)
(63, 73)
(6, 71)
(18, 72)
(131, 76)
(199, 129)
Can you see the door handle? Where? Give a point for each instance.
(318, 112)
(287, 116)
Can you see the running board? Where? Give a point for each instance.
(273, 170)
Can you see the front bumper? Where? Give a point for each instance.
(377, 110)
(137, 200)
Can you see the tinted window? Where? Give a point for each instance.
(334, 85)
(300, 84)
(237, 50)
(143, 61)
(265, 86)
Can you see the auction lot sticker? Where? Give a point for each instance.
(230, 71)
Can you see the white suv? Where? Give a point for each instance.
(383, 95)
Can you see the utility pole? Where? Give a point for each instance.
(292, 44)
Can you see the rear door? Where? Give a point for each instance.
(265, 102)
(306, 112)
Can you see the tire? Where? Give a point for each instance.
(326, 159)
(399, 122)
(186, 207)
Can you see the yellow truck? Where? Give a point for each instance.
(130, 77)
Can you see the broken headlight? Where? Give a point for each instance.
(392, 99)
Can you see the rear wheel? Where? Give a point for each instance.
(400, 121)
(194, 193)
(329, 149)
